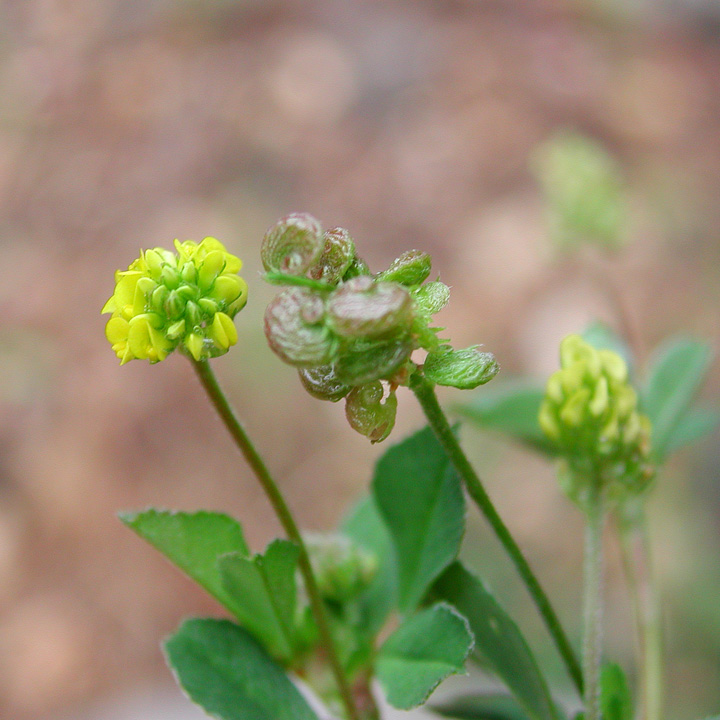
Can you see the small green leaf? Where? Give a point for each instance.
(510, 407)
(225, 671)
(418, 495)
(193, 542)
(264, 593)
(692, 426)
(490, 706)
(615, 699)
(498, 640)
(674, 379)
(365, 527)
(421, 653)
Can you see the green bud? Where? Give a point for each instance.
(208, 306)
(368, 360)
(431, 297)
(193, 314)
(159, 298)
(368, 414)
(590, 413)
(463, 369)
(322, 382)
(291, 336)
(342, 569)
(337, 256)
(189, 273)
(364, 308)
(292, 245)
(411, 268)
(170, 277)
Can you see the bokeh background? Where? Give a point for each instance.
(125, 124)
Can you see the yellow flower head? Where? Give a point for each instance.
(185, 299)
(590, 413)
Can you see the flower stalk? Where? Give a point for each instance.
(632, 526)
(592, 605)
(425, 393)
(247, 448)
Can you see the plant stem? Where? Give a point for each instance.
(592, 605)
(425, 393)
(251, 455)
(641, 579)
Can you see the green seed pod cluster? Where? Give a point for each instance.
(590, 413)
(351, 334)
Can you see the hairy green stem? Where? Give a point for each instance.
(425, 393)
(592, 605)
(251, 455)
(648, 618)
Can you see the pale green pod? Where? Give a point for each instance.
(336, 258)
(368, 413)
(411, 268)
(364, 308)
(323, 383)
(463, 369)
(291, 336)
(292, 245)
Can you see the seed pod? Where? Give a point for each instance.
(368, 414)
(411, 268)
(364, 308)
(322, 382)
(292, 245)
(290, 335)
(463, 369)
(368, 360)
(431, 297)
(336, 258)
(357, 267)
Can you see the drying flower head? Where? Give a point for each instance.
(185, 299)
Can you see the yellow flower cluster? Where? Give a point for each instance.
(590, 413)
(185, 299)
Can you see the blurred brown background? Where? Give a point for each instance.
(127, 123)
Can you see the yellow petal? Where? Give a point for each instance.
(116, 330)
(194, 343)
